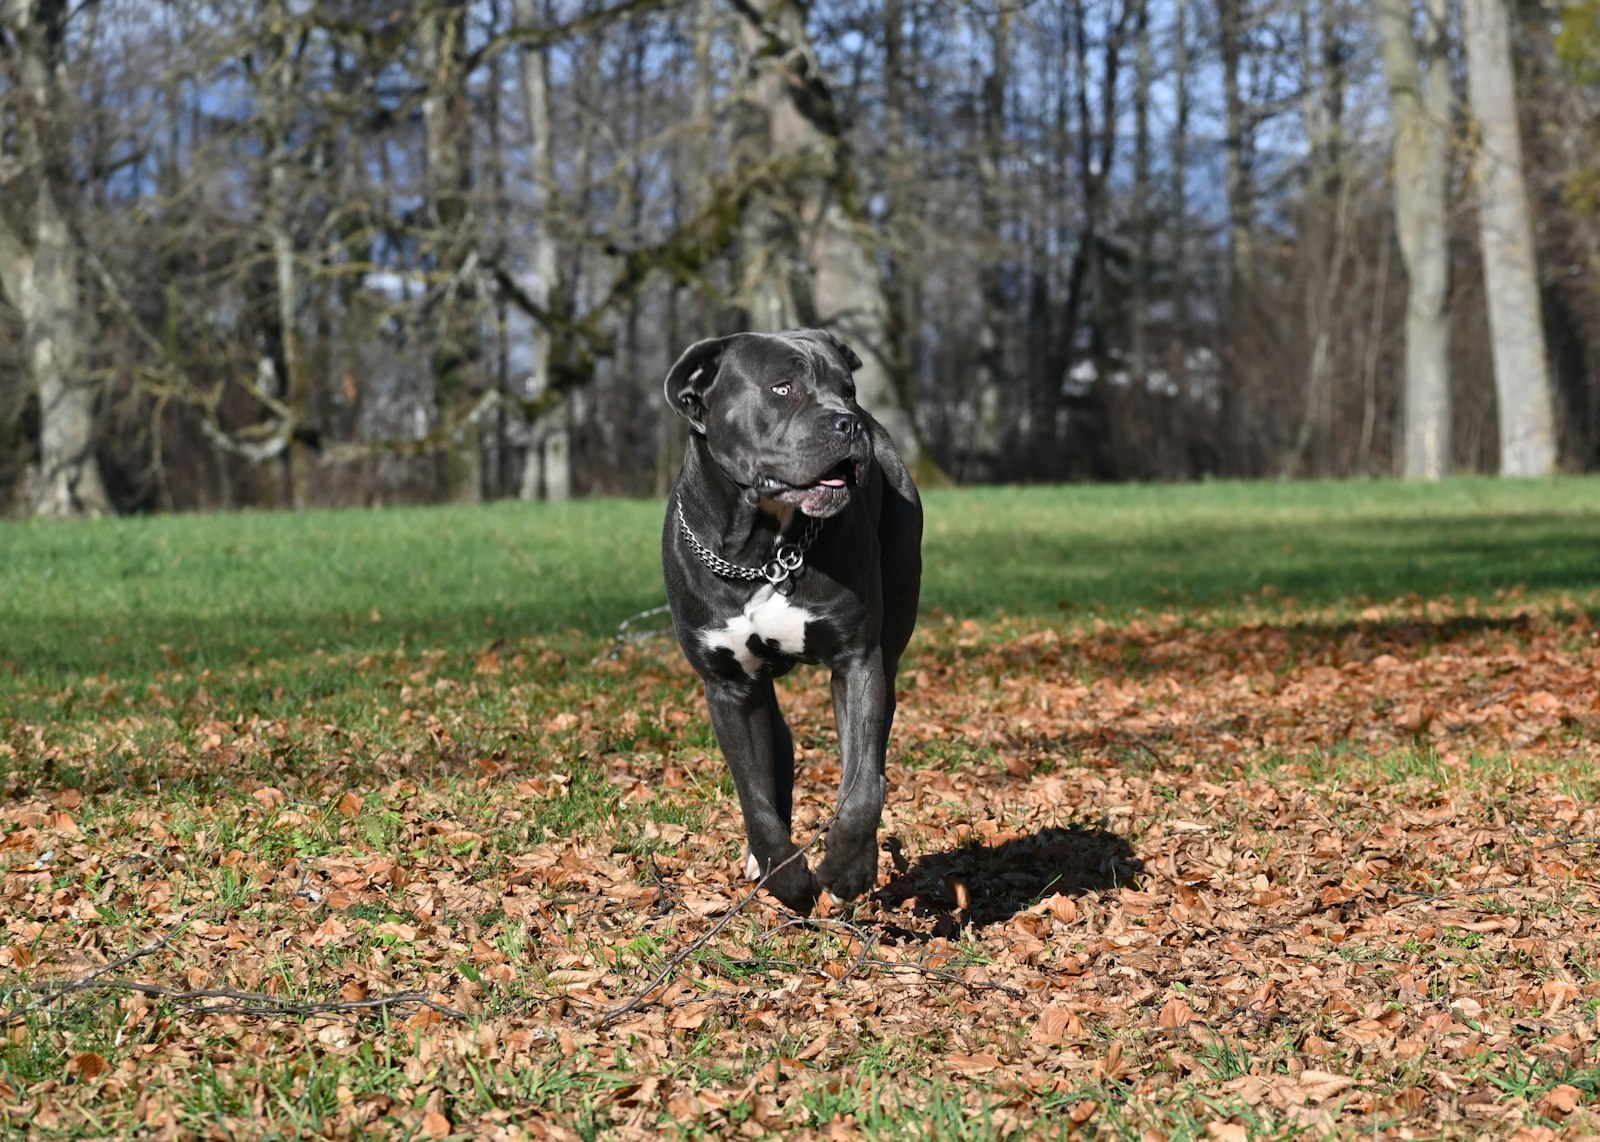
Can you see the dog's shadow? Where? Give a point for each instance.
(977, 885)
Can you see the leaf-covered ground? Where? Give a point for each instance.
(1170, 878)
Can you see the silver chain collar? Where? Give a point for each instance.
(787, 557)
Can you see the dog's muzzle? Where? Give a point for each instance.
(826, 492)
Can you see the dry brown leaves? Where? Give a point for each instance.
(1151, 879)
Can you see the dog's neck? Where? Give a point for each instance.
(783, 513)
(734, 518)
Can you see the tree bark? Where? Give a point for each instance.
(986, 427)
(547, 469)
(903, 221)
(769, 239)
(286, 472)
(447, 141)
(806, 141)
(1325, 233)
(1510, 264)
(40, 262)
(696, 158)
(1180, 193)
(1085, 285)
(1142, 212)
(1419, 91)
(1238, 145)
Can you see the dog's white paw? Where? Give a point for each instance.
(752, 867)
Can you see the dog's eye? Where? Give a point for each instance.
(781, 390)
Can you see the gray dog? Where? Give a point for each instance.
(794, 534)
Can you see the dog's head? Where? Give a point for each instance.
(778, 413)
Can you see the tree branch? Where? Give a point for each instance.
(538, 38)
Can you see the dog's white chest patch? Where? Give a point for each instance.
(768, 616)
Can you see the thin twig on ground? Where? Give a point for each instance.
(921, 970)
(626, 636)
(868, 940)
(82, 983)
(197, 999)
(259, 1003)
(641, 997)
(947, 977)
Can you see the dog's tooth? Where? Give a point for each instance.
(833, 901)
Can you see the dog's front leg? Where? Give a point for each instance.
(859, 708)
(749, 730)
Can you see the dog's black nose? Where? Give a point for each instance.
(847, 425)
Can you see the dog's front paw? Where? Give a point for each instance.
(849, 872)
(791, 882)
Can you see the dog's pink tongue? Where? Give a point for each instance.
(824, 498)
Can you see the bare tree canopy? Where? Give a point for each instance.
(297, 252)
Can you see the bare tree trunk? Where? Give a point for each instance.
(1085, 287)
(1325, 234)
(286, 471)
(447, 140)
(806, 138)
(1369, 365)
(547, 470)
(69, 482)
(1238, 145)
(497, 223)
(1510, 264)
(1419, 87)
(768, 229)
(696, 160)
(1180, 198)
(39, 264)
(902, 223)
(983, 450)
(1142, 218)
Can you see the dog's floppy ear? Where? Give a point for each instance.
(849, 354)
(688, 380)
(851, 361)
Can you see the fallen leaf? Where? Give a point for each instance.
(1316, 1086)
(1176, 1013)
(1560, 1101)
(1051, 1026)
(87, 1066)
(973, 1064)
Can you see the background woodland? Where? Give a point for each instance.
(286, 253)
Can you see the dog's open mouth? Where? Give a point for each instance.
(824, 496)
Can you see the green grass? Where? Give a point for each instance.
(1113, 550)
(126, 598)
(431, 661)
